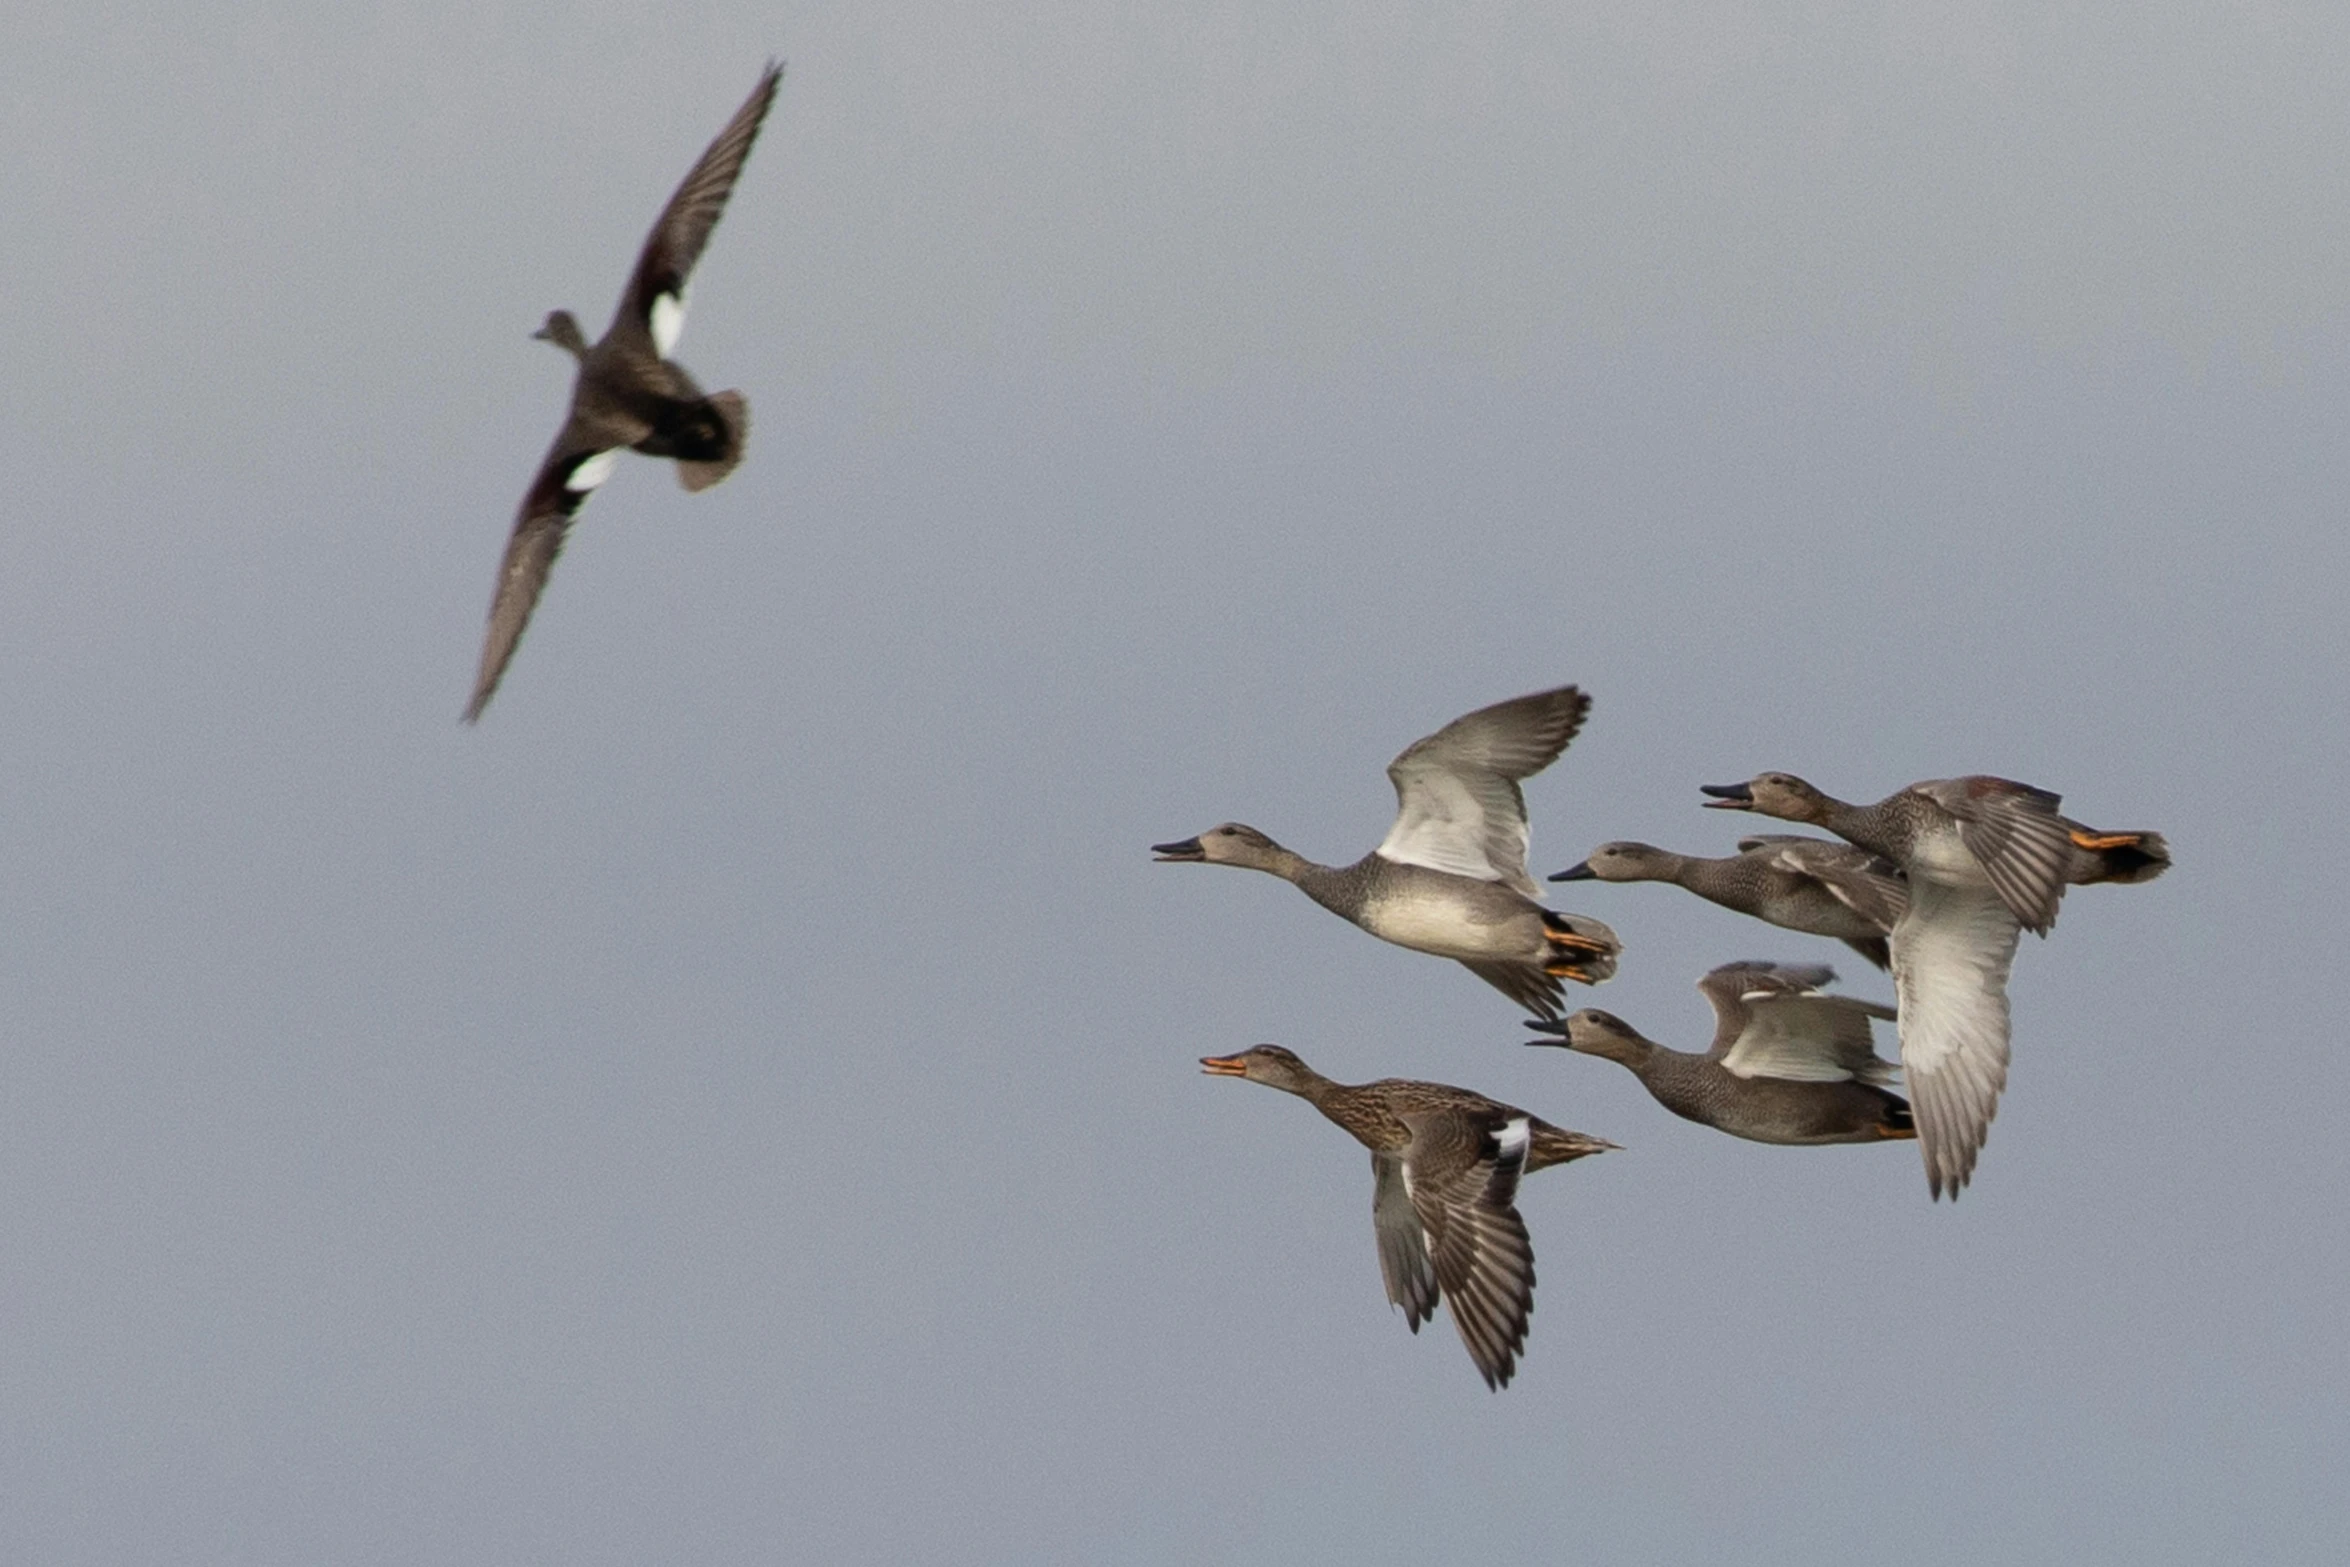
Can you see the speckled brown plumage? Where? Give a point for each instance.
(1445, 1165)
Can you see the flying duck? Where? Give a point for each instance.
(1986, 859)
(1450, 877)
(1445, 1164)
(629, 393)
(1787, 1065)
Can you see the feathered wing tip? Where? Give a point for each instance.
(1952, 1114)
(1524, 983)
(522, 575)
(735, 414)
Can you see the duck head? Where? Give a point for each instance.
(1592, 1032)
(1267, 1064)
(1620, 861)
(1231, 844)
(1771, 794)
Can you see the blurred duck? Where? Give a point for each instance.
(1805, 884)
(1986, 858)
(1787, 1064)
(1450, 877)
(629, 394)
(1445, 1165)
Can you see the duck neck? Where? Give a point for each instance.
(1860, 825)
(1674, 1078)
(1314, 1089)
(1337, 888)
(1687, 870)
(1637, 1054)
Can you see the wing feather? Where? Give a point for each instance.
(1463, 1175)
(1403, 1251)
(1459, 808)
(1528, 984)
(540, 527)
(683, 229)
(1863, 882)
(2014, 832)
(1951, 956)
(1773, 1022)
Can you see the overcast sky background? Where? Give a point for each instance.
(739, 1103)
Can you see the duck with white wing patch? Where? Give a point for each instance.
(629, 394)
(1450, 877)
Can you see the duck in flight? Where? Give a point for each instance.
(629, 393)
(1986, 859)
(1788, 1064)
(1445, 1165)
(1450, 877)
(1798, 883)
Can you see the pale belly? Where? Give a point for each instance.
(1446, 929)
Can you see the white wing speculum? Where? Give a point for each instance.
(668, 321)
(592, 472)
(1512, 1140)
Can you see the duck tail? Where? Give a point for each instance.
(1556, 1145)
(733, 416)
(2123, 856)
(1897, 1122)
(1579, 948)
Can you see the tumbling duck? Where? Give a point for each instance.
(1986, 858)
(1450, 877)
(1445, 1164)
(1806, 884)
(1787, 1065)
(629, 393)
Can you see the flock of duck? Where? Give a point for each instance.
(1936, 882)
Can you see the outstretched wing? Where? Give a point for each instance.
(1775, 1023)
(1458, 804)
(2013, 830)
(1867, 884)
(1462, 1174)
(1951, 955)
(654, 302)
(1403, 1252)
(572, 470)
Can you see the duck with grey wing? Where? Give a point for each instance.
(1787, 1064)
(629, 394)
(1796, 883)
(1986, 858)
(1445, 1165)
(1450, 877)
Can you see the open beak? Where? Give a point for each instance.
(1224, 1066)
(1171, 853)
(1554, 1029)
(1728, 797)
(1582, 872)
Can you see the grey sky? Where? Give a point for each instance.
(740, 1102)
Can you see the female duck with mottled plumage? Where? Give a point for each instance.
(1450, 877)
(1787, 1065)
(1986, 858)
(1445, 1164)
